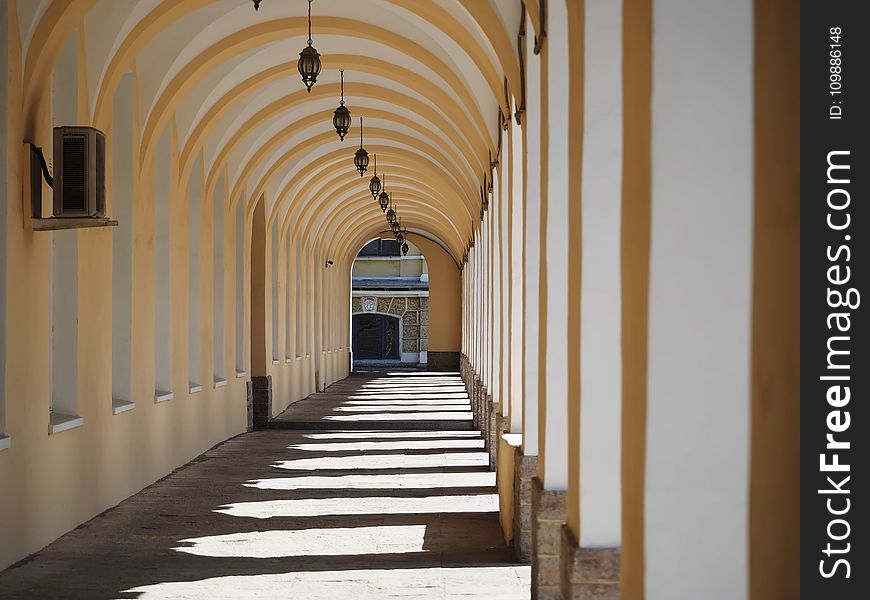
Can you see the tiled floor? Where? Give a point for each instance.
(323, 513)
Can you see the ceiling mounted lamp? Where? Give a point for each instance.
(309, 59)
(375, 183)
(341, 119)
(361, 158)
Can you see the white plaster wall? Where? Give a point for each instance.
(556, 239)
(122, 239)
(699, 305)
(162, 266)
(531, 242)
(64, 256)
(600, 314)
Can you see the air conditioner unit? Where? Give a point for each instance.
(79, 172)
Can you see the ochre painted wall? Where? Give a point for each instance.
(51, 483)
(445, 297)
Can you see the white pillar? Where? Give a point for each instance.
(504, 275)
(531, 242)
(516, 281)
(696, 518)
(600, 310)
(555, 240)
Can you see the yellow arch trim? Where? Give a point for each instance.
(328, 183)
(270, 31)
(406, 161)
(302, 149)
(504, 48)
(198, 138)
(172, 10)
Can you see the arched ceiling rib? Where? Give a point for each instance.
(428, 77)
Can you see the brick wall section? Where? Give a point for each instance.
(548, 517)
(588, 573)
(525, 468)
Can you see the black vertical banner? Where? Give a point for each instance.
(835, 371)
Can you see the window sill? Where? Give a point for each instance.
(240, 374)
(163, 396)
(219, 382)
(298, 358)
(121, 406)
(288, 360)
(59, 422)
(5, 442)
(275, 361)
(193, 387)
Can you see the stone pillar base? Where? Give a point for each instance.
(249, 396)
(496, 428)
(525, 468)
(262, 400)
(588, 573)
(477, 399)
(548, 517)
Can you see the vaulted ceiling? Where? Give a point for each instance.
(428, 76)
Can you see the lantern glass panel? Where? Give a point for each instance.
(309, 66)
(361, 161)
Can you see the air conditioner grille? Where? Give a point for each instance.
(75, 173)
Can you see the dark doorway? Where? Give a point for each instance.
(375, 337)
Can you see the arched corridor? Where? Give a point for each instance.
(605, 350)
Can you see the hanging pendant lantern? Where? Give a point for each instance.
(309, 59)
(404, 248)
(394, 226)
(400, 238)
(384, 199)
(257, 4)
(361, 158)
(341, 119)
(391, 214)
(375, 183)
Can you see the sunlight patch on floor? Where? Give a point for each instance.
(340, 541)
(410, 393)
(378, 482)
(389, 445)
(387, 461)
(403, 407)
(427, 401)
(457, 583)
(409, 416)
(355, 435)
(374, 506)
